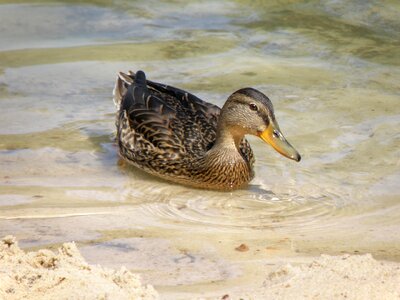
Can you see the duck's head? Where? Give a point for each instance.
(248, 111)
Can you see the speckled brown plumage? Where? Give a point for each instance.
(173, 134)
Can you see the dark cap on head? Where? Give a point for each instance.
(257, 95)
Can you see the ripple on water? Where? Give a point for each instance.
(246, 209)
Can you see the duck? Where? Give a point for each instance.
(174, 135)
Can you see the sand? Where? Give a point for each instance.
(63, 275)
(331, 277)
(66, 275)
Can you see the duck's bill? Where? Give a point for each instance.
(273, 136)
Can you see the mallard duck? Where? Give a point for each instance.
(174, 135)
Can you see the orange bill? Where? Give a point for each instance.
(273, 136)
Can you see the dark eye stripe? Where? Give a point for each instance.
(253, 107)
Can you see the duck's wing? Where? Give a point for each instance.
(160, 118)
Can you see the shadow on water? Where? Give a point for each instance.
(253, 207)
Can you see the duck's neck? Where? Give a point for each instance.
(224, 166)
(228, 138)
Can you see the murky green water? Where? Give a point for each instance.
(331, 69)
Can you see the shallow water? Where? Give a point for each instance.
(331, 69)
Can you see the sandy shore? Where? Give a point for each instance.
(355, 277)
(66, 275)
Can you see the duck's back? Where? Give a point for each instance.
(161, 129)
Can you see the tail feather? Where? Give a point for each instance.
(121, 87)
(125, 78)
(118, 92)
(140, 78)
(132, 85)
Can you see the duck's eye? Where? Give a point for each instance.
(253, 107)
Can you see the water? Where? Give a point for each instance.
(331, 69)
